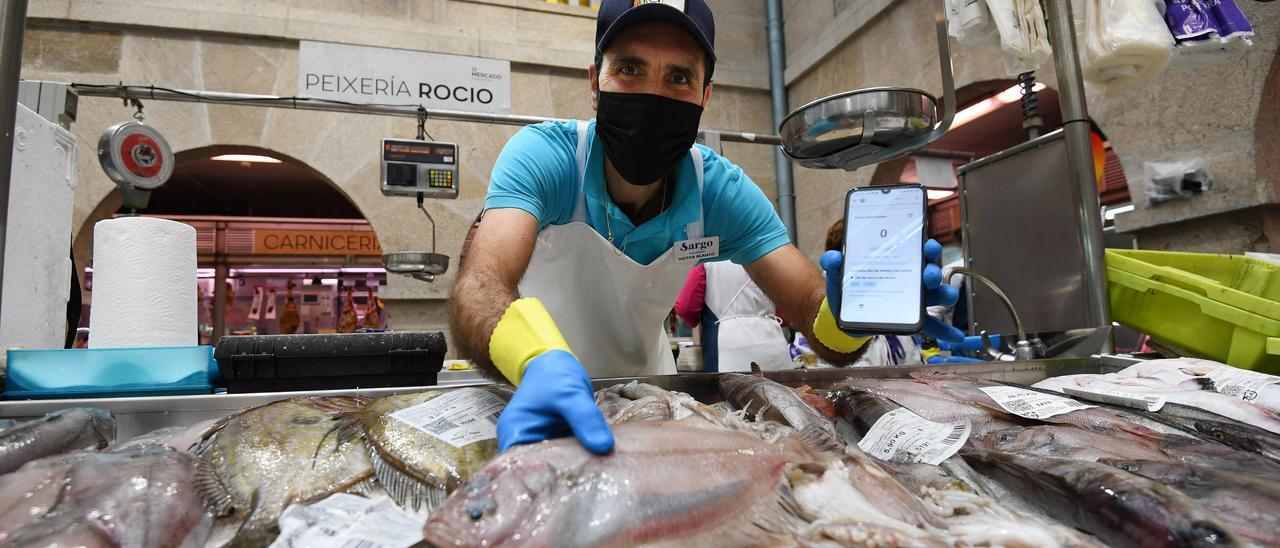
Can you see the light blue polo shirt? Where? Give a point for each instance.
(537, 172)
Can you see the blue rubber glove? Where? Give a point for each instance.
(935, 292)
(554, 400)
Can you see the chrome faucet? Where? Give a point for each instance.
(1023, 349)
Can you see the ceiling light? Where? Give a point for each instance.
(251, 158)
(991, 104)
(940, 194)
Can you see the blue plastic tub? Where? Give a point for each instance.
(110, 372)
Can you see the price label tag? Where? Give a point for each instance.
(1031, 404)
(458, 418)
(1149, 402)
(903, 436)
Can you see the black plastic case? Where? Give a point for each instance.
(283, 363)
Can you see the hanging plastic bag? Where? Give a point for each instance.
(1122, 43)
(969, 22)
(1207, 31)
(1023, 34)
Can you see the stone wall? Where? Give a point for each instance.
(251, 47)
(1214, 113)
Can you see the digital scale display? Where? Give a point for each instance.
(411, 167)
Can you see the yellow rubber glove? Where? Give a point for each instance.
(525, 331)
(831, 336)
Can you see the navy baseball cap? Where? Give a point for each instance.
(694, 16)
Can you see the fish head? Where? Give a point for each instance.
(496, 505)
(104, 425)
(1017, 439)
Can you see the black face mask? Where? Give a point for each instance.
(645, 135)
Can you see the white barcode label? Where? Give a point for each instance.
(1031, 404)
(348, 521)
(1240, 383)
(460, 417)
(903, 436)
(1136, 400)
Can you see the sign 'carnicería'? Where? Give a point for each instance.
(384, 76)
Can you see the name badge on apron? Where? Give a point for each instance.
(692, 251)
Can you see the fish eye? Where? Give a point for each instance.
(1209, 533)
(476, 510)
(1007, 436)
(1129, 466)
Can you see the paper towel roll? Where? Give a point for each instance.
(144, 284)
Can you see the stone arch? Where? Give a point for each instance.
(111, 203)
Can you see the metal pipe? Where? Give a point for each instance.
(303, 103)
(778, 91)
(13, 19)
(221, 272)
(1076, 126)
(974, 274)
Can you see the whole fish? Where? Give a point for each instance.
(767, 400)
(1070, 442)
(1194, 373)
(416, 468)
(864, 409)
(256, 462)
(665, 483)
(1121, 508)
(1094, 418)
(31, 491)
(934, 404)
(1221, 404)
(1248, 506)
(142, 496)
(61, 431)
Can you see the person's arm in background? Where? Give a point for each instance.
(692, 296)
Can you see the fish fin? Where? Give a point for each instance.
(819, 444)
(218, 497)
(405, 490)
(348, 427)
(756, 370)
(364, 488)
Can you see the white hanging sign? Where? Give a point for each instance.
(385, 76)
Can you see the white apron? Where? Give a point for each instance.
(610, 308)
(746, 329)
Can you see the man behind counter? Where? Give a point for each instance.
(590, 228)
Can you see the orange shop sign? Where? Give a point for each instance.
(281, 241)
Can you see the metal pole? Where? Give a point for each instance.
(151, 93)
(220, 275)
(1080, 158)
(13, 18)
(778, 90)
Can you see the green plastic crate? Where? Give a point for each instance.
(1224, 307)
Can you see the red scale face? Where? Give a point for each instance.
(141, 155)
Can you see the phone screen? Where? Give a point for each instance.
(884, 231)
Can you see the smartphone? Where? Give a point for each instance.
(881, 290)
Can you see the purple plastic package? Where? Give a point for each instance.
(1189, 20)
(1230, 21)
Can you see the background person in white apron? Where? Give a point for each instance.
(739, 323)
(590, 228)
